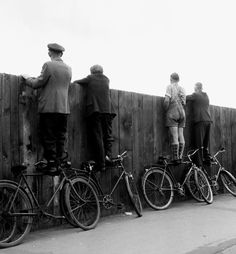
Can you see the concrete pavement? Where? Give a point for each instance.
(187, 227)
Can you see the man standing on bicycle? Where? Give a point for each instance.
(53, 105)
(174, 103)
(99, 114)
(201, 123)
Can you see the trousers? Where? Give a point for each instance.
(100, 136)
(53, 129)
(202, 140)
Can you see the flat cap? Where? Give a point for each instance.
(56, 47)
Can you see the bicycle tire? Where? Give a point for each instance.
(133, 194)
(64, 208)
(157, 188)
(192, 187)
(82, 203)
(21, 224)
(203, 185)
(228, 181)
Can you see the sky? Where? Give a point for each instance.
(139, 43)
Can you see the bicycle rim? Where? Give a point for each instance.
(192, 187)
(157, 188)
(82, 203)
(203, 185)
(14, 227)
(133, 194)
(228, 181)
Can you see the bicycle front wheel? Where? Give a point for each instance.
(203, 185)
(157, 188)
(14, 207)
(133, 194)
(82, 203)
(64, 209)
(193, 188)
(228, 181)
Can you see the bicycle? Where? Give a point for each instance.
(225, 176)
(19, 204)
(159, 183)
(88, 173)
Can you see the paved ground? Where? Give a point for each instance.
(187, 227)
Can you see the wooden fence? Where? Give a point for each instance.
(137, 128)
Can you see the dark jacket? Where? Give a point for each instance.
(97, 94)
(53, 84)
(200, 107)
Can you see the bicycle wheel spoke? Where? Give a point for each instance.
(157, 188)
(203, 186)
(228, 181)
(13, 227)
(193, 189)
(82, 203)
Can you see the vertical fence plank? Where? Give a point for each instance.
(160, 132)
(225, 136)
(6, 146)
(77, 138)
(233, 143)
(137, 138)
(137, 134)
(125, 130)
(14, 121)
(1, 124)
(114, 174)
(148, 129)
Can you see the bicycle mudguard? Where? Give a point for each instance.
(9, 181)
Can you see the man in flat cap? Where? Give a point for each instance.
(53, 105)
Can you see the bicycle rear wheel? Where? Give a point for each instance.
(14, 221)
(203, 185)
(157, 188)
(228, 181)
(82, 203)
(133, 194)
(192, 187)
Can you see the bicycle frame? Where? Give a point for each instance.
(216, 162)
(92, 178)
(34, 200)
(168, 171)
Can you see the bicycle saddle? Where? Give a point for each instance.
(162, 158)
(16, 170)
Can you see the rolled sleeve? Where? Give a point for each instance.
(168, 91)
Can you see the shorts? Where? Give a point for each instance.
(175, 117)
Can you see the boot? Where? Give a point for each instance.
(175, 153)
(181, 150)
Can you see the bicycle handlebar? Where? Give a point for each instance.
(221, 150)
(123, 154)
(190, 153)
(40, 162)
